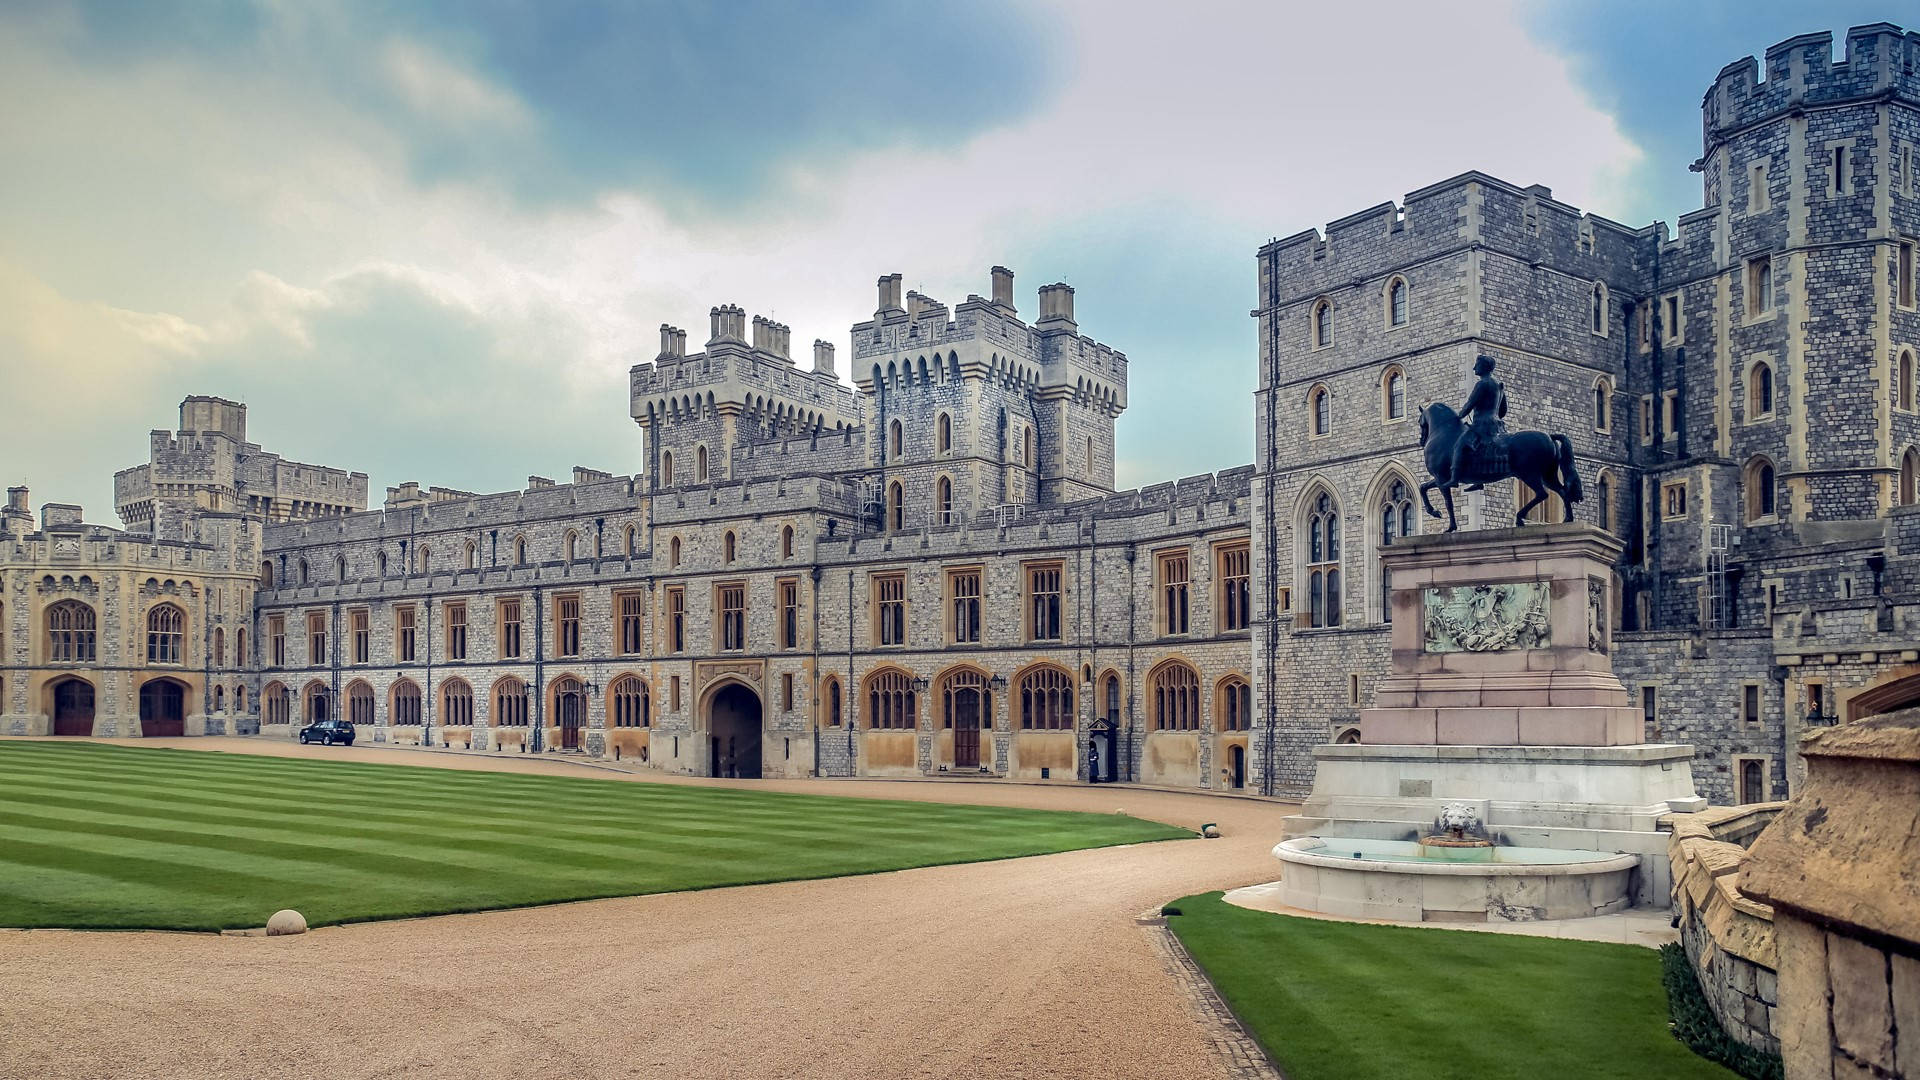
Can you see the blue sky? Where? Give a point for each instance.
(427, 242)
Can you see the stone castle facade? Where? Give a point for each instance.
(928, 572)
(1741, 396)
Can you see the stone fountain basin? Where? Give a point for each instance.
(1400, 881)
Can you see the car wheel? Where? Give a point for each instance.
(303, 738)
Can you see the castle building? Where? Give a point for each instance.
(1741, 396)
(926, 573)
(929, 572)
(149, 630)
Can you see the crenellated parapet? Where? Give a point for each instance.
(1457, 214)
(1800, 73)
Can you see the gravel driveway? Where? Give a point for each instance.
(1022, 968)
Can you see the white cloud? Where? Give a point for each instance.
(237, 210)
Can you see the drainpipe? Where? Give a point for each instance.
(539, 668)
(1133, 684)
(849, 689)
(1270, 642)
(1091, 638)
(813, 652)
(1657, 515)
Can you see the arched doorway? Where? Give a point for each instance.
(570, 709)
(1100, 753)
(317, 705)
(163, 709)
(733, 722)
(966, 708)
(72, 707)
(1237, 764)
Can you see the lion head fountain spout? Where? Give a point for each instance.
(1458, 826)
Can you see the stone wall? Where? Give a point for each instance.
(1838, 868)
(1728, 936)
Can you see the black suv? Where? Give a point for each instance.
(328, 732)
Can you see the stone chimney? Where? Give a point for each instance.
(56, 515)
(673, 342)
(823, 358)
(16, 520)
(534, 482)
(405, 495)
(1003, 288)
(889, 294)
(729, 324)
(771, 337)
(1056, 302)
(915, 304)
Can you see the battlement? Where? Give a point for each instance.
(1452, 215)
(1800, 72)
(1208, 501)
(983, 335)
(616, 495)
(99, 546)
(770, 495)
(676, 388)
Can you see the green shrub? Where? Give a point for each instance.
(1695, 1025)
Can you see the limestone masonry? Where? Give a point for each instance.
(928, 572)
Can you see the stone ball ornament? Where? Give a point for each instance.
(286, 922)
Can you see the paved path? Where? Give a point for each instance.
(1022, 968)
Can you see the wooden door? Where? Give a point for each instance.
(570, 722)
(966, 729)
(73, 708)
(163, 709)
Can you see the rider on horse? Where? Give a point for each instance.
(1486, 404)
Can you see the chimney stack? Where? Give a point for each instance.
(17, 496)
(1056, 302)
(823, 358)
(729, 324)
(889, 294)
(1003, 288)
(762, 334)
(673, 342)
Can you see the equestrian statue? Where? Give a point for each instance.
(1478, 451)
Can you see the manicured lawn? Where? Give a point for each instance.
(1347, 1001)
(108, 836)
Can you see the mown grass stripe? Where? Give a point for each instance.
(106, 836)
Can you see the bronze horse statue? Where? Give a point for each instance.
(1541, 461)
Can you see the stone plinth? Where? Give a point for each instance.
(1501, 637)
(1502, 693)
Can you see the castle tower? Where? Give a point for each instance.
(972, 408)
(698, 411)
(208, 466)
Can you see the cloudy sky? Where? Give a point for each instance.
(428, 243)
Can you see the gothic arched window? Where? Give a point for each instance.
(1760, 391)
(1397, 302)
(1176, 697)
(1395, 518)
(1323, 324)
(1323, 562)
(1760, 489)
(166, 632)
(1046, 700)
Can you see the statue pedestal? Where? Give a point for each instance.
(1502, 694)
